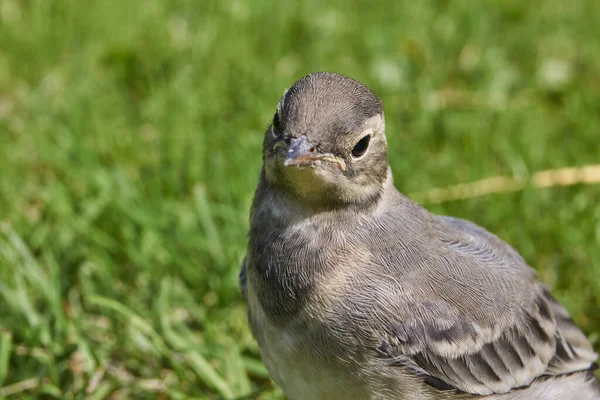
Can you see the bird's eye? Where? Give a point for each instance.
(276, 125)
(360, 148)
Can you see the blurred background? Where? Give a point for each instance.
(130, 149)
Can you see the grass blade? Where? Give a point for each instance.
(6, 345)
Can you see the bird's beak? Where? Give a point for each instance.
(301, 153)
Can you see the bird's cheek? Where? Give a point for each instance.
(274, 169)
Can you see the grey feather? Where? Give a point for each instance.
(242, 279)
(355, 291)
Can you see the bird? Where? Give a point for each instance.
(354, 291)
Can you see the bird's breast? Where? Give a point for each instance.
(301, 357)
(287, 263)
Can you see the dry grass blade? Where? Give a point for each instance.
(18, 387)
(586, 175)
(96, 378)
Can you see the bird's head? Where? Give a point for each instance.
(326, 145)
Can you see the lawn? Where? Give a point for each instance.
(130, 148)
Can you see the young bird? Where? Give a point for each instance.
(356, 292)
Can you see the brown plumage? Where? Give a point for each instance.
(356, 292)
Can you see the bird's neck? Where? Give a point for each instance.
(281, 204)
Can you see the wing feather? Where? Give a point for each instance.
(462, 352)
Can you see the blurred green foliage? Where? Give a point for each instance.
(130, 148)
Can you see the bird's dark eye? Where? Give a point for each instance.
(360, 148)
(276, 125)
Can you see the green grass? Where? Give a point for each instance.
(130, 148)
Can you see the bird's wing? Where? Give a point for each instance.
(242, 278)
(452, 347)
